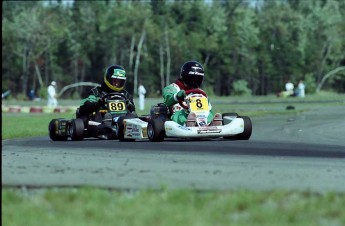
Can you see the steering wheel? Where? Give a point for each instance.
(198, 91)
(115, 96)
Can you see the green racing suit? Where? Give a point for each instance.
(180, 114)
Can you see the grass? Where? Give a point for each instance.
(20, 125)
(94, 206)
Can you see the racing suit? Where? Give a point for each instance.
(94, 102)
(179, 114)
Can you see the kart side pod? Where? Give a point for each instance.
(134, 128)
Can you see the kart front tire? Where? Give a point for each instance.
(52, 131)
(156, 130)
(246, 134)
(77, 129)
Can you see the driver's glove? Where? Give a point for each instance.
(101, 102)
(180, 95)
(130, 105)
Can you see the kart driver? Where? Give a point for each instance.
(114, 82)
(191, 77)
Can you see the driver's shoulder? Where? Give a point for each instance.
(90, 98)
(127, 94)
(173, 87)
(96, 91)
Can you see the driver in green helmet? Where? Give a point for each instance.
(114, 82)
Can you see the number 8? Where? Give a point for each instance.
(198, 103)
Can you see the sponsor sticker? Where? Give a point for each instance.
(118, 73)
(183, 127)
(211, 129)
(135, 129)
(202, 123)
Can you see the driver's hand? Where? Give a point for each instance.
(130, 106)
(101, 102)
(180, 95)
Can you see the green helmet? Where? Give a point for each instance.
(115, 78)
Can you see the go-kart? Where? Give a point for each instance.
(111, 126)
(160, 125)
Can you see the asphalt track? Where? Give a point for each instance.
(305, 151)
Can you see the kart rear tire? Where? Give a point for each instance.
(77, 129)
(156, 130)
(246, 134)
(121, 128)
(52, 128)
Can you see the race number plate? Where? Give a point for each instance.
(198, 104)
(116, 106)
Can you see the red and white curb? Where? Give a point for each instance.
(37, 109)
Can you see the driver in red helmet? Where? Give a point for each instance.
(191, 77)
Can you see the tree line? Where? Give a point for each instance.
(246, 46)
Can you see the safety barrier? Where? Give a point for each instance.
(37, 109)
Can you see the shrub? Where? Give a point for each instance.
(21, 97)
(209, 90)
(42, 92)
(240, 88)
(75, 95)
(310, 83)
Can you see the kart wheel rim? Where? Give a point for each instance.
(150, 131)
(71, 130)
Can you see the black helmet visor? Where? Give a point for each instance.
(194, 81)
(118, 82)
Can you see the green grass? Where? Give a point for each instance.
(20, 125)
(94, 206)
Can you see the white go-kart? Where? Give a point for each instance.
(157, 126)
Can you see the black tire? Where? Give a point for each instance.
(77, 129)
(52, 134)
(246, 134)
(229, 115)
(290, 107)
(156, 130)
(121, 128)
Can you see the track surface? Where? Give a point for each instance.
(300, 152)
